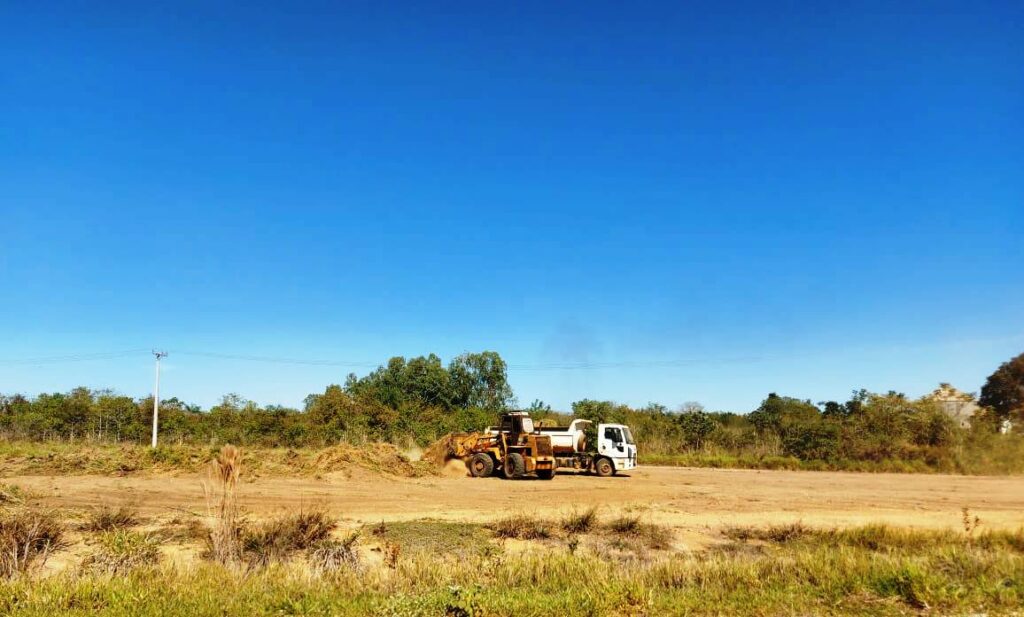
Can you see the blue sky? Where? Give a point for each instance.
(711, 200)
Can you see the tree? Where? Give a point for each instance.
(1003, 391)
(481, 380)
(696, 425)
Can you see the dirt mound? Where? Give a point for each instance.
(44, 458)
(382, 458)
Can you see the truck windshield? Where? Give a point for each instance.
(629, 435)
(527, 425)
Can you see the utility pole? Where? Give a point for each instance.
(156, 393)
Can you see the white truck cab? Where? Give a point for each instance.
(615, 442)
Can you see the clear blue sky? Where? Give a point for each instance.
(796, 197)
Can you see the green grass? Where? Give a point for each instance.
(894, 572)
(435, 538)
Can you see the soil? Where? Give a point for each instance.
(697, 502)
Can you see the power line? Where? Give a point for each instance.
(543, 366)
(73, 357)
(276, 360)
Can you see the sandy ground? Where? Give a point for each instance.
(697, 502)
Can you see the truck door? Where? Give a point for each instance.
(612, 443)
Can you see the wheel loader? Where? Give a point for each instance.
(514, 450)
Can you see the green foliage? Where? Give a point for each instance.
(420, 399)
(1004, 389)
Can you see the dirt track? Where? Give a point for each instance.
(697, 501)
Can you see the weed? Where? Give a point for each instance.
(222, 479)
(970, 524)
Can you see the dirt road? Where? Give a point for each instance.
(697, 501)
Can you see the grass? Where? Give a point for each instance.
(640, 534)
(121, 551)
(908, 572)
(429, 537)
(580, 521)
(279, 539)
(11, 494)
(522, 527)
(110, 519)
(330, 557)
(1004, 458)
(27, 537)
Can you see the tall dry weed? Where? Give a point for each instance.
(220, 488)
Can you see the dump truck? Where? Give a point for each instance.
(614, 451)
(514, 448)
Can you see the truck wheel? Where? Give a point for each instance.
(480, 465)
(604, 467)
(545, 474)
(515, 466)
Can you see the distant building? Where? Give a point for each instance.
(958, 405)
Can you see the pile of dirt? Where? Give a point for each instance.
(62, 458)
(382, 458)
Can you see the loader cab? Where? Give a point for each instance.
(615, 441)
(516, 423)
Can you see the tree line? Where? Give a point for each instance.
(419, 399)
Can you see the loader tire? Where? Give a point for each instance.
(604, 467)
(480, 465)
(515, 466)
(545, 474)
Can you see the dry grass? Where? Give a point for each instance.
(11, 495)
(110, 519)
(580, 521)
(522, 527)
(431, 538)
(330, 557)
(121, 551)
(27, 537)
(66, 458)
(222, 503)
(639, 534)
(278, 539)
